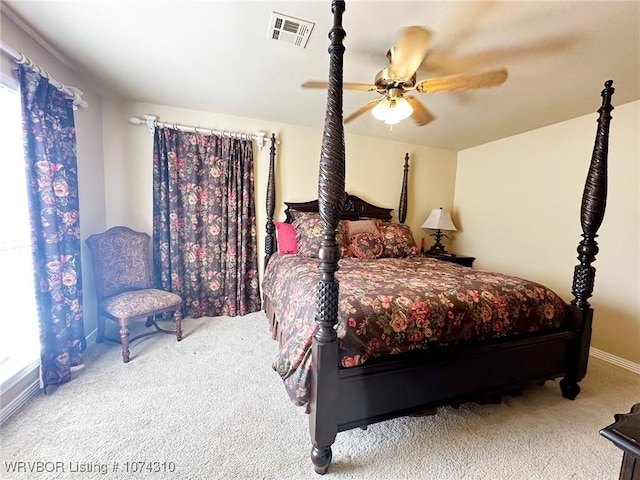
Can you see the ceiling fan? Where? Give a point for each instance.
(399, 78)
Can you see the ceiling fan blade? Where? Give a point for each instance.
(447, 61)
(465, 81)
(312, 84)
(365, 87)
(420, 114)
(359, 86)
(409, 53)
(365, 108)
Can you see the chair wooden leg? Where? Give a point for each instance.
(100, 336)
(124, 340)
(177, 318)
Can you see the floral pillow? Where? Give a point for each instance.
(366, 245)
(398, 240)
(308, 226)
(286, 238)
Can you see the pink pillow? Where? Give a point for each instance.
(286, 238)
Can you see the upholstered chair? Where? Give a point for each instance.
(124, 286)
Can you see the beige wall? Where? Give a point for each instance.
(517, 201)
(88, 123)
(374, 167)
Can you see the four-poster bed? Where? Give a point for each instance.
(345, 392)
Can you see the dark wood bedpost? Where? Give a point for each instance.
(270, 237)
(323, 423)
(402, 208)
(594, 201)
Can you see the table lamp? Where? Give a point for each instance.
(439, 219)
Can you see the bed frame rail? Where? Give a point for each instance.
(429, 379)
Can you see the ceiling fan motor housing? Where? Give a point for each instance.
(384, 80)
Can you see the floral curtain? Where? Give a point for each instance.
(52, 176)
(204, 229)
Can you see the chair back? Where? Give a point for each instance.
(121, 261)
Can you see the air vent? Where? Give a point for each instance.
(289, 29)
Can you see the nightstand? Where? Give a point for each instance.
(625, 434)
(459, 259)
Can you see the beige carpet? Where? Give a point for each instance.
(211, 407)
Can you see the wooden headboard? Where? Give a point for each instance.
(354, 209)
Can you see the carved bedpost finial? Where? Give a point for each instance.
(402, 208)
(594, 201)
(269, 240)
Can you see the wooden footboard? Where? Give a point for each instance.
(413, 383)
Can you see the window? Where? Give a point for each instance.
(19, 342)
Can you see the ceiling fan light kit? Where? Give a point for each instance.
(400, 77)
(392, 109)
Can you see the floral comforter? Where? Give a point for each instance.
(393, 305)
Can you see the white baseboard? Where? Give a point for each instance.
(16, 403)
(620, 362)
(23, 397)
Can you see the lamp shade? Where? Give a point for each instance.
(439, 219)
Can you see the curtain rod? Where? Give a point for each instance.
(70, 92)
(151, 122)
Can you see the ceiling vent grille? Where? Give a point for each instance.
(289, 29)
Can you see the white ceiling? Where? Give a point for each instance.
(217, 56)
